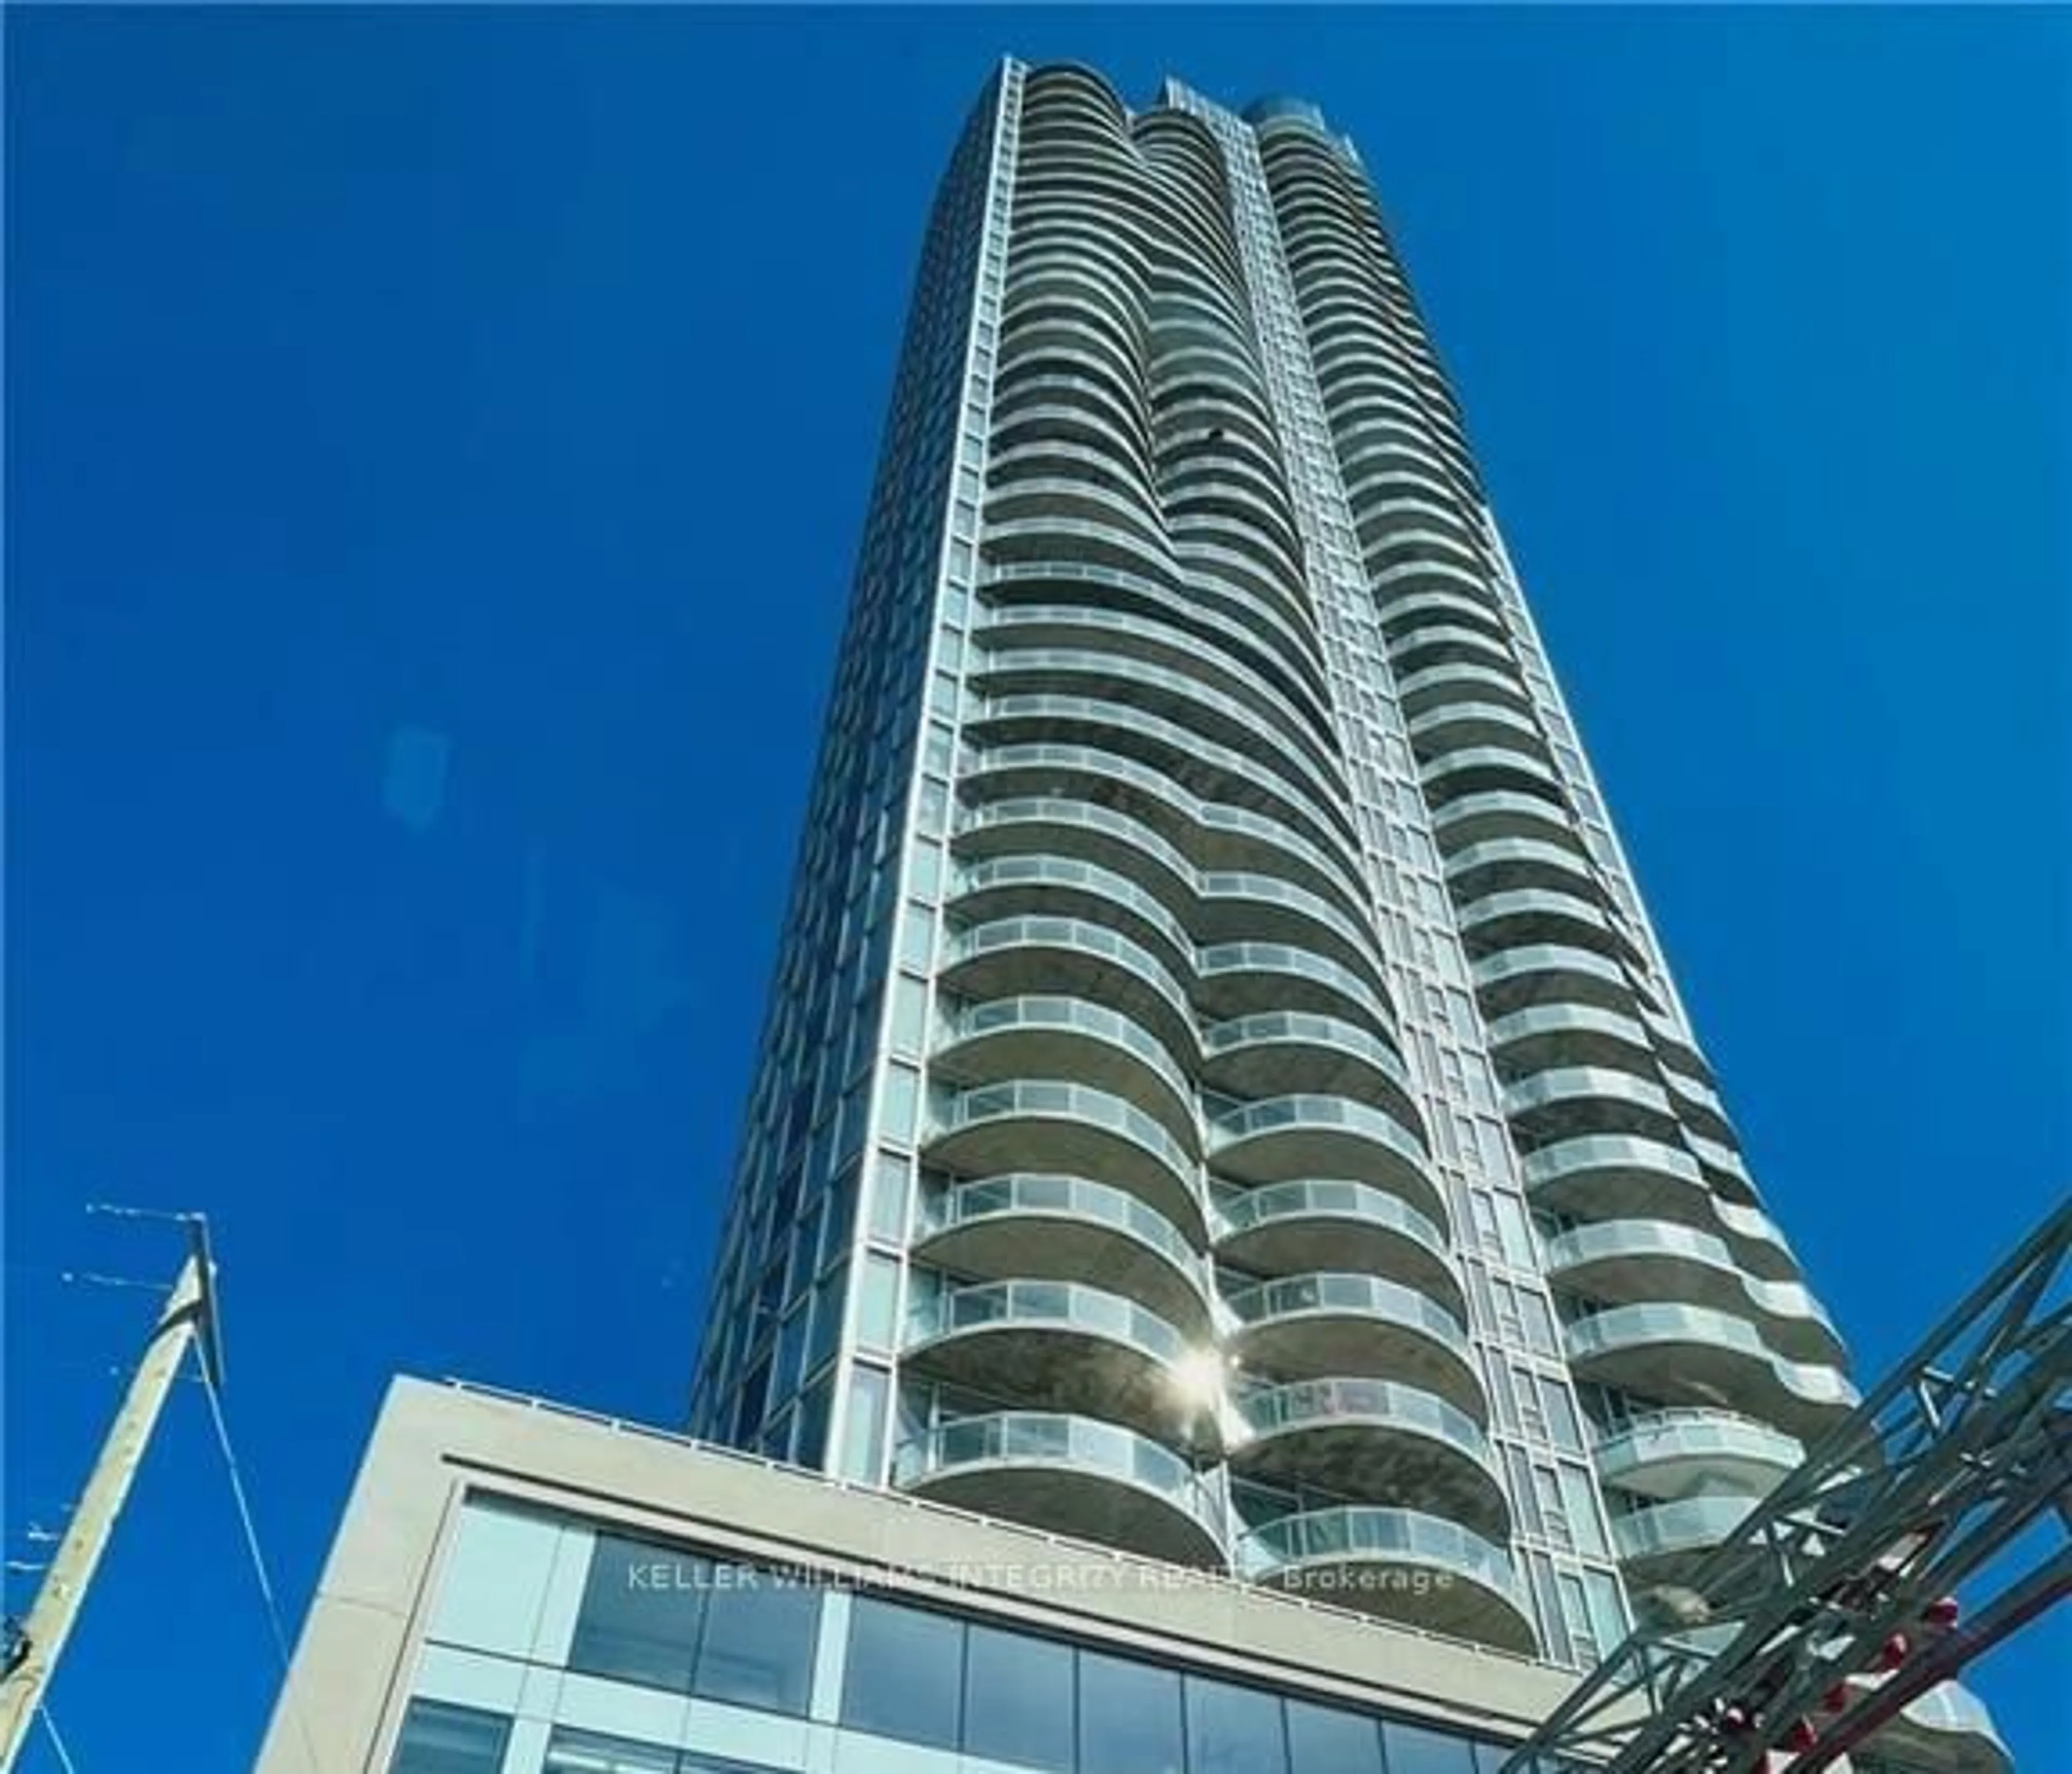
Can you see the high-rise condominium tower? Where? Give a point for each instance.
(1221, 1095)
(1224, 1126)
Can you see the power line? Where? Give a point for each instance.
(57, 1742)
(274, 1622)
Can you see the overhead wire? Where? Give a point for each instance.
(275, 1622)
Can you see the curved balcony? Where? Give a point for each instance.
(1018, 511)
(1724, 1169)
(1237, 979)
(1280, 1138)
(1034, 463)
(1536, 917)
(1398, 1565)
(1549, 1036)
(1400, 505)
(1047, 1228)
(1397, 456)
(1059, 1346)
(1142, 623)
(1056, 1037)
(1208, 771)
(1659, 1543)
(1757, 1240)
(1442, 686)
(1399, 553)
(1461, 726)
(1670, 1454)
(1036, 421)
(1615, 1176)
(1279, 1053)
(1504, 864)
(1692, 1355)
(1501, 814)
(1225, 666)
(1057, 825)
(1449, 644)
(1005, 539)
(1202, 557)
(1238, 907)
(1039, 786)
(1023, 957)
(1181, 698)
(1947, 1730)
(1332, 1325)
(1237, 500)
(1028, 883)
(1074, 1130)
(1698, 1103)
(1627, 1261)
(1546, 1107)
(1070, 1475)
(1234, 620)
(1373, 1441)
(1313, 1224)
(1476, 769)
(1405, 612)
(1236, 840)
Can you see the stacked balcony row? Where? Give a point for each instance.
(1182, 1278)
(1681, 1297)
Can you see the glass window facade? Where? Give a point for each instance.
(904, 1676)
(659, 1618)
(439, 1739)
(699, 1663)
(641, 1612)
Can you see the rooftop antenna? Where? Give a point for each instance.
(189, 1318)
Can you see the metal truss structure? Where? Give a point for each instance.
(1831, 1607)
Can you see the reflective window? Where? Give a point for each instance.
(1560, 1415)
(1414, 1750)
(1233, 1730)
(905, 1673)
(1579, 1497)
(641, 1611)
(888, 1197)
(757, 1647)
(1129, 1716)
(1322, 1740)
(878, 1311)
(438, 1739)
(897, 1106)
(1019, 1704)
(584, 1752)
(910, 1014)
(1607, 1614)
(863, 1431)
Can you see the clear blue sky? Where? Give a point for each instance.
(436, 441)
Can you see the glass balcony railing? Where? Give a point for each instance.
(1679, 1527)
(1079, 1102)
(1061, 1305)
(1353, 1532)
(1247, 1210)
(1277, 1113)
(1072, 1015)
(1075, 1196)
(1695, 1434)
(1304, 1028)
(1294, 1296)
(1632, 1327)
(1323, 1403)
(1049, 1438)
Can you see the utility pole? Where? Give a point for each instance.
(189, 1318)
